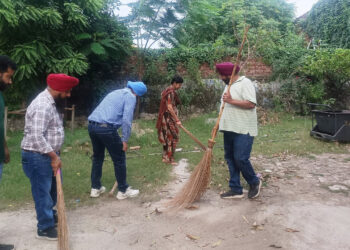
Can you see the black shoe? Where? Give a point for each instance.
(47, 234)
(254, 190)
(6, 247)
(231, 195)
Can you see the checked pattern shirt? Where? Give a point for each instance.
(43, 130)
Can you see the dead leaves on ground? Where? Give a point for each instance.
(291, 230)
(192, 237)
(275, 246)
(257, 227)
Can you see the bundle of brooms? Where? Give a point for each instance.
(200, 177)
(62, 228)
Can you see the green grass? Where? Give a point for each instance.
(145, 169)
(290, 135)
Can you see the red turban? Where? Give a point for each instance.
(226, 68)
(61, 82)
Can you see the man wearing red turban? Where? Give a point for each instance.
(42, 141)
(239, 126)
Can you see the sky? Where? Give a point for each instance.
(302, 6)
(123, 9)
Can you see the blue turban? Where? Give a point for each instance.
(138, 87)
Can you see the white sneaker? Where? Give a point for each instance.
(96, 192)
(128, 193)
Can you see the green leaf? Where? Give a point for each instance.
(83, 36)
(97, 48)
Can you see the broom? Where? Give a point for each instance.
(62, 228)
(200, 177)
(193, 137)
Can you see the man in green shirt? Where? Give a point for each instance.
(238, 123)
(7, 69)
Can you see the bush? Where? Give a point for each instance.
(195, 92)
(295, 93)
(332, 69)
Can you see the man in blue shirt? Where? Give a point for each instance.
(116, 110)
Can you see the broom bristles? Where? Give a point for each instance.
(196, 184)
(62, 228)
(200, 177)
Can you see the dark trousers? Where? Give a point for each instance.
(107, 137)
(37, 168)
(237, 153)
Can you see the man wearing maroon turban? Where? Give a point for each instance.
(239, 126)
(42, 141)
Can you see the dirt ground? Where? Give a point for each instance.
(304, 204)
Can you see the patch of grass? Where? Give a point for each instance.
(145, 168)
(144, 171)
(289, 136)
(292, 136)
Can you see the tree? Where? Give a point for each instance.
(328, 21)
(332, 68)
(152, 20)
(221, 22)
(58, 36)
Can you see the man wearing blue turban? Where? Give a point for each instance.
(116, 110)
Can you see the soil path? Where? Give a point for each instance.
(304, 204)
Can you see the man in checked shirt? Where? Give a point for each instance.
(43, 138)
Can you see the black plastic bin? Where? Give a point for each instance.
(331, 124)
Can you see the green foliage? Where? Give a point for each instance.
(157, 78)
(69, 65)
(295, 93)
(150, 20)
(202, 54)
(216, 21)
(332, 68)
(328, 21)
(75, 15)
(195, 92)
(285, 55)
(60, 36)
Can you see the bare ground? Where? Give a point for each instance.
(304, 204)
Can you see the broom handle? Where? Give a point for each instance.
(216, 127)
(58, 181)
(171, 111)
(63, 243)
(193, 137)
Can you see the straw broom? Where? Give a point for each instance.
(193, 137)
(200, 177)
(62, 227)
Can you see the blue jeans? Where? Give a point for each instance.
(102, 138)
(1, 167)
(37, 168)
(237, 153)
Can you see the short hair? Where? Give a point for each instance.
(177, 79)
(5, 63)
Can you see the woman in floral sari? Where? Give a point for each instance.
(168, 132)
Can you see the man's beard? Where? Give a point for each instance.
(60, 104)
(227, 81)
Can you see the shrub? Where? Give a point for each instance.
(295, 93)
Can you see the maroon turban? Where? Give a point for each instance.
(61, 82)
(226, 68)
